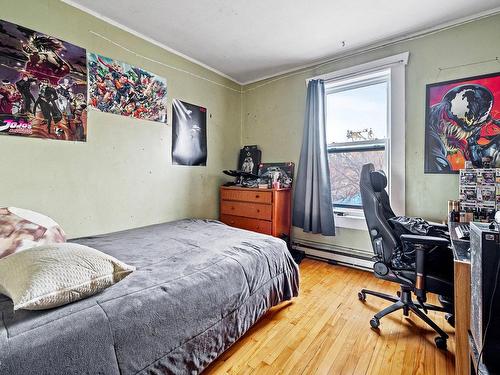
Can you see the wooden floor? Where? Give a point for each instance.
(326, 331)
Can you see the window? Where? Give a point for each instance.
(365, 122)
(357, 128)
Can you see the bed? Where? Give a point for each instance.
(198, 287)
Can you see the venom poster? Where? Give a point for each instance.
(463, 124)
(120, 88)
(189, 134)
(43, 85)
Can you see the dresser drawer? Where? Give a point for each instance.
(246, 196)
(254, 225)
(246, 209)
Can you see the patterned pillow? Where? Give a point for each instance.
(48, 276)
(21, 229)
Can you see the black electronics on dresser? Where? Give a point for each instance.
(485, 309)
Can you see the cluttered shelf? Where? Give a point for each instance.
(259, 198)
(233, 187)
(479, 191)
(251, 173)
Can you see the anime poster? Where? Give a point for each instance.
(43, 85)
(189, 134)
(463, 124)
(122, 89)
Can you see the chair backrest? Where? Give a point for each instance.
(377, 209)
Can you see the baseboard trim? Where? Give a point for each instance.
(336, 256)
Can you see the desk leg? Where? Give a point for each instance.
(462, 318)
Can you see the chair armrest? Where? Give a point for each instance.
(423, 244)
(424, 240)
(439, 225)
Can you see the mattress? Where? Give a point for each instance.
(198, 287)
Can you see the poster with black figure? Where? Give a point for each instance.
(249, 160)
(189, 134)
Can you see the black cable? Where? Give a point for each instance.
(492, 300)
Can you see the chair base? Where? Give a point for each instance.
(404, 302)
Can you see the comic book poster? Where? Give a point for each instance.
(463, 124)
(189, 134)
(43, 85)
(123, 89)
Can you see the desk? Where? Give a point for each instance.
(461, 265)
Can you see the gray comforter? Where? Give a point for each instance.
(198, 287)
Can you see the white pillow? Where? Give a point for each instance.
(53, 275)
(22, 229)
(34, 217)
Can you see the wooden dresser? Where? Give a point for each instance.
(266, 211)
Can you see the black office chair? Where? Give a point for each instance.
(422, 277)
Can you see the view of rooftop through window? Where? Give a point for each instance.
(356, 131)
(357, 114)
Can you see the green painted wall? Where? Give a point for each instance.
(122, 176)
(273, 111)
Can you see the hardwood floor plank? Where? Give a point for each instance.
(326, 331)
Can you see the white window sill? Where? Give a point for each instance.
(351, 222)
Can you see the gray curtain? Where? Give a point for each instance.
(312, 201)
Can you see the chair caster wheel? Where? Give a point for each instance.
(450, 318)
(374, 322)
(440, 342)
(362, 296)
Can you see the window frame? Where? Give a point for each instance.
(395, 141)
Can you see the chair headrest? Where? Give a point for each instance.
(378, 180)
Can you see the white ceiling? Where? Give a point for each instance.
(248, 40)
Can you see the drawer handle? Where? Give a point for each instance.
(232, 207)
(258, 210)
(257, 196)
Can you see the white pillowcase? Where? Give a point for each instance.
(22, 229)
(34, 217)
(53, 275)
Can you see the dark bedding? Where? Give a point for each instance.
(198, 287)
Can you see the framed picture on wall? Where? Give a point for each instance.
(462, 123)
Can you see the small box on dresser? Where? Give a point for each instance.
(266, 211)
